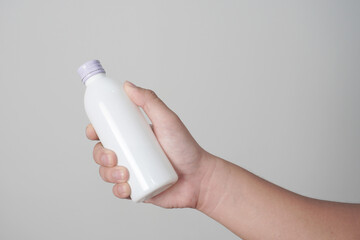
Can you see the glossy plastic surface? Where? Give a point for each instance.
(122, 128)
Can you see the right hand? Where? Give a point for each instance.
(187, 157)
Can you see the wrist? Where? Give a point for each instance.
(213, 184)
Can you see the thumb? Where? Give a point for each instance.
(147, 99)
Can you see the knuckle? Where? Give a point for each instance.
(97, 151)
(121, 190)
(125, 171)
(151, 95)
(115, 190)
(112, 157)
(151, 98)
(108, 175)
(101, 173)
(104, 174)
(96, 147)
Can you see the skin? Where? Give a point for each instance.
(247, 205)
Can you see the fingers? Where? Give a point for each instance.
(103, 156)
(122, 190)
(116, 174)
(90, 133)
(156, 109)
(109, 171)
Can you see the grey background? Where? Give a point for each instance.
(272, 86)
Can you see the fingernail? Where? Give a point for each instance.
(119, 175)
(130, 84)
(105, 160)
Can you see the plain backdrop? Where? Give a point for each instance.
(273, 86)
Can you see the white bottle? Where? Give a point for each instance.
(122, 128)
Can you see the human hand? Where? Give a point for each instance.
(185, 154)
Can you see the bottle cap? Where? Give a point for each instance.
(89, 69)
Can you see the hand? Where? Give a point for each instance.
(185, 154)
(247, 205)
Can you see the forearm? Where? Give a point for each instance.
(255, 209)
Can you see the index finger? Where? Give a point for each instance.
(90, 132)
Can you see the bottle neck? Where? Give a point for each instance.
(94, 78)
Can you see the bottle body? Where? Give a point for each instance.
(122, 128)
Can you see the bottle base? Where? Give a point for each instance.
(153, 193)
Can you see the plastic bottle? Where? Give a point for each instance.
(122, 128)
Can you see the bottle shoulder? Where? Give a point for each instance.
(104, 90)
(103, 83)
